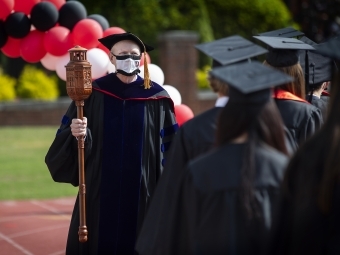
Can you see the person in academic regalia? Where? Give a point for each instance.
(300, 117)
(314, 97)
(308, 220)
(317, 75)
(129, 126)
(195, 137)
(227, 195)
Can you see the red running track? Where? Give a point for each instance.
(35, 227)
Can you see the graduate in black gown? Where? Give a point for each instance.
(300, 117)
(317, 76)
(226, 196)
(308, 216)
(198, 135)
(195, 137)
(129, 124)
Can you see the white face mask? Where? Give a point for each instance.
(128, 64)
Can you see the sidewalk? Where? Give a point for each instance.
(35, 227)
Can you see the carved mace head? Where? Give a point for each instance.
(78, 75)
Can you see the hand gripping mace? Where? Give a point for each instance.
(79, 88)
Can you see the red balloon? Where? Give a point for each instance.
(107, 32)
(57, 3)
(58, 40)
(113, 30)
(6, 6)
(183, 114)
(25, 5)
(148, 59)
(12, 48)
(32, 46)
(86, 33)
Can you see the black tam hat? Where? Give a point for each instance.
(111, 40)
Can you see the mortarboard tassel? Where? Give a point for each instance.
(147, 81)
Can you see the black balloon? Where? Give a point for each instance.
(3, 34)
(17, 25)
(44, 15)
(101, 20)
(70, 13)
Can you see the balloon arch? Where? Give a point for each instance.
(44, 30)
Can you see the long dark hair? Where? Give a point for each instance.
(317, 161)
(266, 127)
(296, 87)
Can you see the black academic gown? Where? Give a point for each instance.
(320, 104)
(325, 96)
(208, 218)
(300, 117)
(299, 225)
(129, 131)
(195, 137)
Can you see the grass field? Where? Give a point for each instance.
(23, 172)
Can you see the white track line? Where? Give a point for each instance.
(19, 247)
(24, 251)
(15, 218)
(48, 208)
(38, 230)
(58, 253)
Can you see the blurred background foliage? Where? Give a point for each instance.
(211, 19)
(33, 83)
(36, 84)
(7, 90)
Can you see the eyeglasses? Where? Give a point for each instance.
(125, 53)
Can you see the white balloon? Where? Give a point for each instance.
(155, 73)
(60, 66)
(111, 68)
(99, 61)
(49, 61)
(174, 94)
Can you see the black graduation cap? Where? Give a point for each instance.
(230, 50)
(305, 39)
(319, 67)
(287, 32)
(251, 83)
(330, 49)
(111, 40)
(283, 52)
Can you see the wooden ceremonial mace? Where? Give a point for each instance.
(79, 88)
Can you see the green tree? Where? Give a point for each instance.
(248, 17)
(212, 19)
